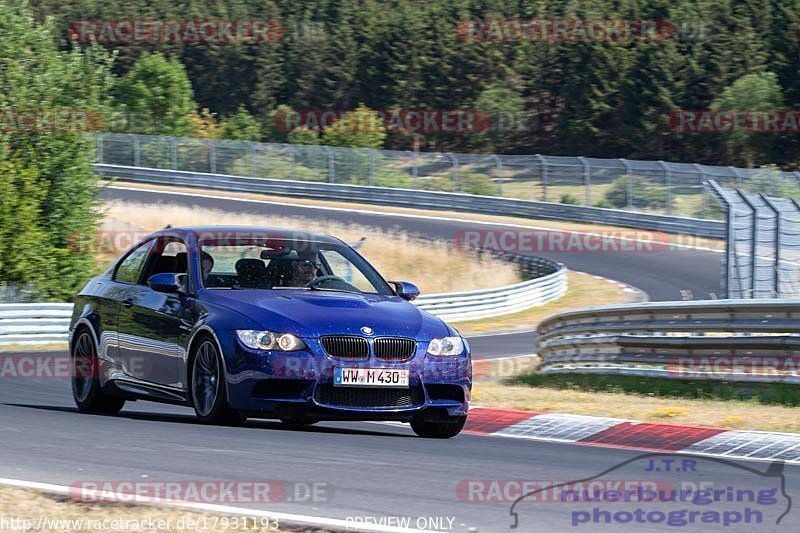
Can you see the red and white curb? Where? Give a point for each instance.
(630, 434)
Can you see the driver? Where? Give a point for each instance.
(304, 268)
(207, 263)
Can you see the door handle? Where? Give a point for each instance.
(128, 302)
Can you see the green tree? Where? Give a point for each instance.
(240, 127)
(157, 97)
(754, 92)
(647, 99)
(303, 135)
(362, 128)
(48, 193)
(504, 106)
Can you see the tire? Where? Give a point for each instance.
(207, 391)
(85, 373)
(438, 430)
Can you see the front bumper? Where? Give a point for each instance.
(273, 384)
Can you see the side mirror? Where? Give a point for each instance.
(405, 290)
(166, 282)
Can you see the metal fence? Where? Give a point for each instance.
(418, 199)
(730, 340)
(649, 186)
(762, 258)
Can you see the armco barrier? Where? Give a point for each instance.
(434, 200)
(487, 303)
(38, 323)
(732, 340)
(34, 323)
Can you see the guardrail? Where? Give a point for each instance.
(549, 284)
(732, 340)
(420, 199)
(40, 323)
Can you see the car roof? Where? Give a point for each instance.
(256, 231)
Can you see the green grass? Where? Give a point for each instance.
(764, 393)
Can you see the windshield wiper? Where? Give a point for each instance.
(313, 288)
(328, 289)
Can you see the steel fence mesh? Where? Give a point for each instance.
(762, 258)
(646, 186)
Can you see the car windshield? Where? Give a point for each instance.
(275, 264)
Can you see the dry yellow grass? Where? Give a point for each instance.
(38, 348)
(433, 265)
(34, 506)
(725, 414)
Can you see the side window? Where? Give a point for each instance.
(130, 269)
(168, 256)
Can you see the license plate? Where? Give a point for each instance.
(370, 377)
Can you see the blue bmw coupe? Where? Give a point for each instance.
(241, 322)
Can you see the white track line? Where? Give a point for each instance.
(408, 215)
(287, 518)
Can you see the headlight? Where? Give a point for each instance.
(446, 346)
(267, 340)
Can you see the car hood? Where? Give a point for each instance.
(312, 314)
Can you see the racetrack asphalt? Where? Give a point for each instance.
(371, 469)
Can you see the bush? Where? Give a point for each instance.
(569, 199)
(770, 182)
(477, 184)
(240, 127)
(438, 183)
(394, 178)
(646, 194)
(303, 136)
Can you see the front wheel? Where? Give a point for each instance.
(208, 391)
(86, 389)
(440, 429)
